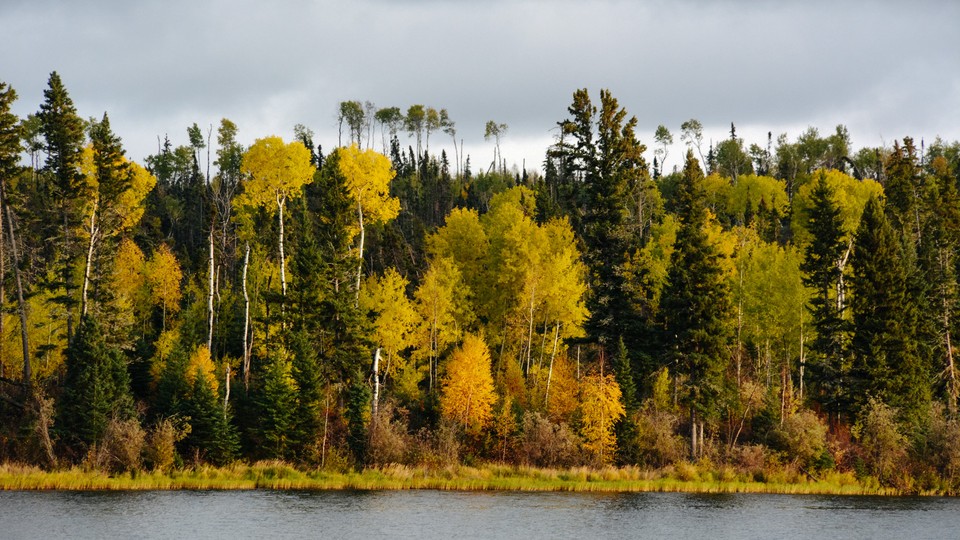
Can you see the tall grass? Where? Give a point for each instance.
(280, 475)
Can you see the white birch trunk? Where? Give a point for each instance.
(89, 264)
(360, 250)
(546, 397)
(246, 321)
(281, 202)
(376, 386)
(210, 299)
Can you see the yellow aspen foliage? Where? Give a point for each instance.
(128, 281)
(164, 346)
(600, 403)
(467, 395)
(163, 276)
(395, 317)
(275, 170)
(563, 399)
(201, 365)
(725, 243)
(128, 274)
(438, 300)
(463, 239)
(128, 208)
(849, 195)
(367, 174)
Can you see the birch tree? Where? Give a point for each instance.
(276, 172)
(367, 174)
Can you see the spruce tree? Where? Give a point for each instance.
(61, 192)
(274, 398)
(212, 435)
(96, 388)
(823, 269)
(625, 429)
(884, 349)
(696, 303)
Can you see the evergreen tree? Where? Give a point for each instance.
(886, 363)
(902, 188)
(625, 429)
(823, 268)
(96, 388)
(696, 302)
(357, 415)
(212, 436)
(307, 417)
(937, 262)
(274, 400)
(61, 192)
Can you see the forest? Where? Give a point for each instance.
(786, 304)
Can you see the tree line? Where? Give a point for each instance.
(788, 305)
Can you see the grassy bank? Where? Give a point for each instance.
(278, 475)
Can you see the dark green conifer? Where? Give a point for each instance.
(885, 360)
(696, 301)
(96, 386)
(823, 268)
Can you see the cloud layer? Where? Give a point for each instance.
(883, 69)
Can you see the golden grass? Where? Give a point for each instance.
(279, 475)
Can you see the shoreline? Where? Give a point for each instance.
(281, 476)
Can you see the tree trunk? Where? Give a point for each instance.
(693, 434)
(360, 250)
(21, 304)
(89, 264)
(803, 358)
(226, 387)
(210, 299)
(530, 328)
(376, 387)
(246, 321)
(281, 202)
(3, 296)
(546, 397)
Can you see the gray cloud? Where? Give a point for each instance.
(157, 67)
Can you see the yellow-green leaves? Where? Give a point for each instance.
(394, 315)
(601, 406)
(849, 194)
(368, 174)
(275, 170)
(467, 394)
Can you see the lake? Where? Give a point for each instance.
(435, 514)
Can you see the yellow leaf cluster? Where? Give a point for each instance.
(467, 394)
(275, 170)
(368, 174)
(201, 365)
(164, 275)
(849, 195)
(600, 401)
(395, 316)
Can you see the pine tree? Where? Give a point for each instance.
(886, 363)
(696, 302)
(823, 268)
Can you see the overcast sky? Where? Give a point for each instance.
(885, 69)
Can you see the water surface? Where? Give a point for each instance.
(433, 514)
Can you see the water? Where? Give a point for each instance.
(432, 514)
